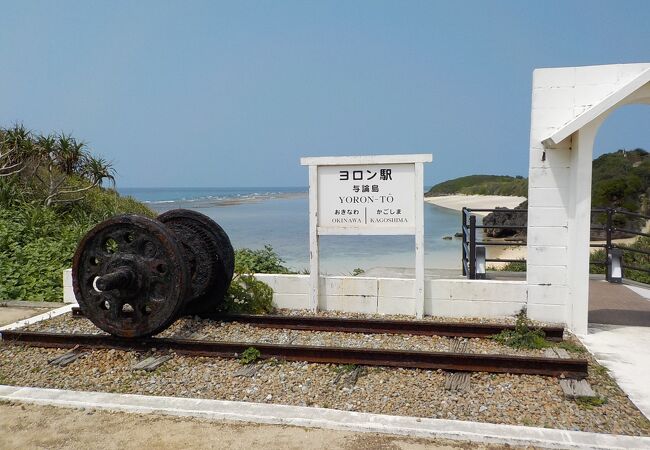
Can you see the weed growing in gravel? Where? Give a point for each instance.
(251, 354)
(598, 369)
(274, 362)
(527, 422)
(526, 337)
(522, 336)
(590, 402)
(569, 346)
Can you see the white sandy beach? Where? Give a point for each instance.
(458, 202)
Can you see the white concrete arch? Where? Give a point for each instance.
(569, 105)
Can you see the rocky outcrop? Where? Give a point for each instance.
(505, 217)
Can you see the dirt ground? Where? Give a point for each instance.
(26, 426)
(10, 314)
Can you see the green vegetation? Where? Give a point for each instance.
(482, 185)
(630, 258)
(250, 355)
(264, 260)
(514, 266)
(51, 194)
(248, 295)
(524, 336)
(590, 402)
(621, 180)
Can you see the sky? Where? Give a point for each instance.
(230, 94)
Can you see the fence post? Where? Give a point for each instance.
(472, 247)
(462, 230)
(608, 245)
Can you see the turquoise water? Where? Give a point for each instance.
(253, 217)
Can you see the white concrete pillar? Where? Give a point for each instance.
(580, 227)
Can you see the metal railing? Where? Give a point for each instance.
(474, 255)
(471, 245)
(614, 253)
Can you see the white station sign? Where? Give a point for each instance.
(366, 196)
(376, 194)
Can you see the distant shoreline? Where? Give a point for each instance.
(231, 201)
(457, 202)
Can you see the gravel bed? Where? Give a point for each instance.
(496, 398)
(195, 328)
(352, 315)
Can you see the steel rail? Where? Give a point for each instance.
(371, 326)
(374, 326)
(464, 362)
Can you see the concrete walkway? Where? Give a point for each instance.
(624, 350)
(618, 304)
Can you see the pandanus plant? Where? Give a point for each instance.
(57, 165)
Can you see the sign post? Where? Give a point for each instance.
(366, 195)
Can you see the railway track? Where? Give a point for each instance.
(373, 326)
(462, 362)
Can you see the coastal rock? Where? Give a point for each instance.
(505, 217)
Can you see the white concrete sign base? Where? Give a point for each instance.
(324, 418)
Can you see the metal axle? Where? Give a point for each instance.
(122, 278)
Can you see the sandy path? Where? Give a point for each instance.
(34, 426)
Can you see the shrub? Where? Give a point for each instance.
(518, 266)
(248, 295)
(264, 260)
(629, 258)
(37, 242)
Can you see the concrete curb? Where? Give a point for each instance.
(324, 418)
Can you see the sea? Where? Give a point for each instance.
(278, 216)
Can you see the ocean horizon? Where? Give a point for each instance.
(278, 216)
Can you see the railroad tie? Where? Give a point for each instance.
(151, 363)
(67, 358)
(571, 388)
(249, 370)
(458, 381)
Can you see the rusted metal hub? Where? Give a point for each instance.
(209, 253)
(130, 277)
(134, 276)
